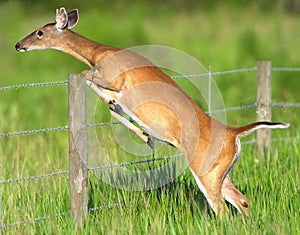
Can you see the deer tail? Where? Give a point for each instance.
(246, 130)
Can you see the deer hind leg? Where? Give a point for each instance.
(234, 196)
(216, 185)
(211, 188)
(229, 191)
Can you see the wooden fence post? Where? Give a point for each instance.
(264, 105)
(78, 150)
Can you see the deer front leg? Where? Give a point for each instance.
(115, 110)
(137, 131)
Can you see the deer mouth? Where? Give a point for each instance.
(19, 48)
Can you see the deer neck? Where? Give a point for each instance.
(82, 48)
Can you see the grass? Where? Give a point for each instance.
(178, 207)
(223, 37)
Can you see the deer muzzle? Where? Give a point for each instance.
(20, 48)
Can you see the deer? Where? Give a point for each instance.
(132, 85)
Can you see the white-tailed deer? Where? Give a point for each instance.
(131, 84)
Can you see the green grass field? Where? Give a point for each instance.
(224, 37)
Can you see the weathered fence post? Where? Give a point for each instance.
(264, 105)
(78, 151)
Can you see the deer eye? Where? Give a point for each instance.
(40, 33)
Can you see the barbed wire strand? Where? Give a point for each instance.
(4, 226)
(53, 129)
(103, 124)
(30, 85)
(286, 69)
(246, 106)
(285, 105)
(135, 162)
(215, 73)
(33, 177)
(36, 131)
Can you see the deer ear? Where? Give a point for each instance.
(61, 18)
(73, 18)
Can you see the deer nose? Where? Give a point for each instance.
(17, 46)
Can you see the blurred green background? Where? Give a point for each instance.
(224, 35)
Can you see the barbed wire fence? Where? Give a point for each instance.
(105, 124)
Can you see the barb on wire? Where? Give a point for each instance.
(30, 85)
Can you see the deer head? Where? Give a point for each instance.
(47, 36)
